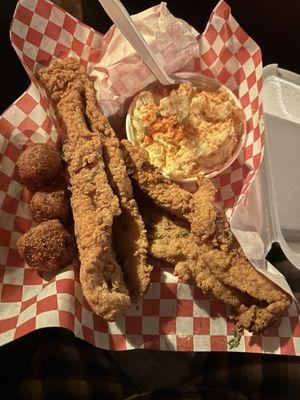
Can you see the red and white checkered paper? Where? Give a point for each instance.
(172, 315)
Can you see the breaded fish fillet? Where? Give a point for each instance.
(95, 165)
(199, 212)
(170, 240)
(256, 301)
(227, 262)
(217, 264)
(130, 240)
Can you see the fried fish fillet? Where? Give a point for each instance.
(217, 259)
(130, 240)
(170, 240)
(227, 262)
(95, 166)
(256, 301)
(200, 211)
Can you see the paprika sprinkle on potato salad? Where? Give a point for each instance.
(186, 130)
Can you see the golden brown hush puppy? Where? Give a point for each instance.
(38, 165)
(47, 246)
(50, 204)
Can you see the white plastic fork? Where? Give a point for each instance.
(119, 15)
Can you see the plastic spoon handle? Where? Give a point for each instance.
(118, 14)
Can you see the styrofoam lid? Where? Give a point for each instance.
(283, 139)
(281, 100)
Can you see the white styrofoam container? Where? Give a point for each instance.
(279, 176)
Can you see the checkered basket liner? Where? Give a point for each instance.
(172, 315)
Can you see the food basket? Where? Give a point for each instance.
(172, 315)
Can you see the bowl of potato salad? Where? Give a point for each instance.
(186, 129)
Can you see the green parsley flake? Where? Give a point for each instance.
(182, 233)
(236, 339)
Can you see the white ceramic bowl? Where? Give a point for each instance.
(194, 79)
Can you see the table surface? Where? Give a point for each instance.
(52, 361)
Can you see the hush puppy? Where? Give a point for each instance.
(38, 165)
(50, 204)
(47, 246)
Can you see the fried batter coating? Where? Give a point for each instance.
(199, 211)
(162, 191)
(50, 203)
(170, 240)
(93, 202)
(47, 246)
(38, 165)
(217, 265)
(227, 262)
(130, 245)
(204, 215)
